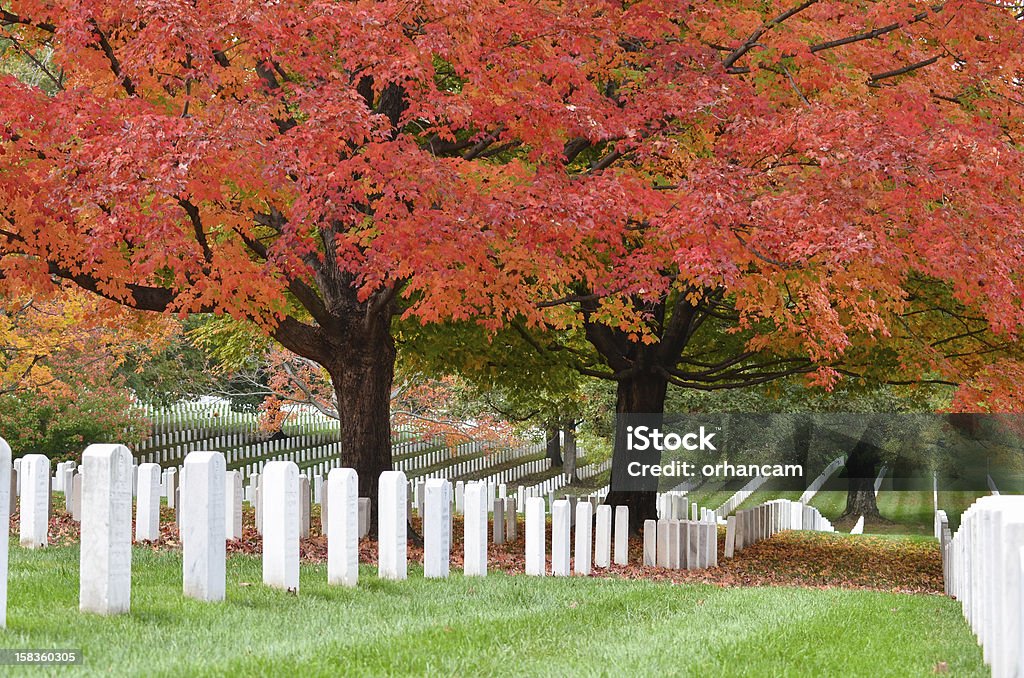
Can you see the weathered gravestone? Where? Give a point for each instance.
(437, 509)
(342, 526)
(105, 568)
(392, 543)
(203, 531)
(511, 520)
(499, 521)
(279, 487)
(147, 505)
(35, 477)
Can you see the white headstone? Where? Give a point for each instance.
(6, 469)
(34, 477)
(364, 516)
(304, 507)
(584, 537)
(68, 475)
(650, 543)
(677, 536)
(695, 551)
(622, 535)
(105, 567)
(76, 497)
(203, 531)
(342, 527)
(730, 536)
(279, 488)
(147, 504)
(233, 505)
(664, 543)
(171, 485)
(437, 521)
(535, 537)
(560, 537)
(475, 525)
(392, 544)
(603, 536)
(460, 494)
(859, 527)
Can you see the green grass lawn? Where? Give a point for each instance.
(501, 625)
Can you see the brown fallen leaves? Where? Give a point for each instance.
(808, 559)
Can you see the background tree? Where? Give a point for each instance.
(314, 169)
(62, 362)
(838, 197)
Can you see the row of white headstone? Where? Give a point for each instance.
(681, 544)
(514, 473)
(676, 505)
(983, 564)
(105, 562)
(593, 538)
(434, 456)
(249, 457)
(752, 525)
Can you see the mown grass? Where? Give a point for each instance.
(501, 625)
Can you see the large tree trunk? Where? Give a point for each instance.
(554, 444)
(569, 451)
(640, 399)
(861, 470)
(362, 377)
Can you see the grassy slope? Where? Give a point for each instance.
(504, 625)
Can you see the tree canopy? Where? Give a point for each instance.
(717, 194)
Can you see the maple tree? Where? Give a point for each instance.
(62, 357)
(718, 193)
(841, 199)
